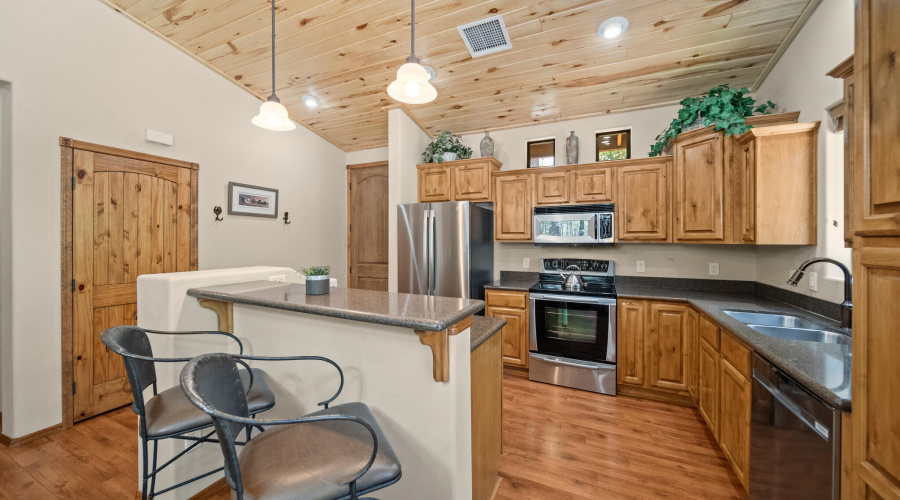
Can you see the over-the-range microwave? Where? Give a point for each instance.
(574, 225)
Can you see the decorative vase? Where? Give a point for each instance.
(694, 125)
(448, 156)
(317, 285)
(487, 145)
(572, 148)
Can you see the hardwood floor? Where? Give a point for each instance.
(558, 444)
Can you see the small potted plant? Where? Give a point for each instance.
(446, 147)
(724, 106)
(317, 279)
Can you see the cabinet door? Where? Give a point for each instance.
(434, 184)
(734, 423)
(708, 385)
(849, 139)
(515, 334)
(552, 188)
(513, 208)
(699, 189)
(877, 120)
(876, 377)
(630, 343)
(668, 346)
(594, 186)
(692, 346)
(746, 205)
(472, 182)
(643, 202)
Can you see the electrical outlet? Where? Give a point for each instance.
(713, 268)
(280, 278)
(813, 281)
(641, 268)
(526, 262)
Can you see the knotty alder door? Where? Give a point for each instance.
(367, 231)
(129, 217)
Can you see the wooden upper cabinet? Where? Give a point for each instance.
(630, 342)
(552, 188)
(668, 346)
(775, 185)
(844, 71)
(699, 188)
(595, 185)
(642, 206)
(461, 180)
(434, 183)
(877, 121)
(513, 207)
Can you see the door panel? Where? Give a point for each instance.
(708, 385)
(125, 223)
(734, 422)
(368, 228)
(630, 351)
(594, 185)
(513, 211)
(552, 188)
(412, 248)
(699, 189)
(643, 202)
(450, 253)
(668, 346)
(515, 334)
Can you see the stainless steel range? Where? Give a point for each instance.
(573, 325)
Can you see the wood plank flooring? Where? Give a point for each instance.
(558, 444)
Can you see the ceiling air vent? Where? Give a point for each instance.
(486, 36)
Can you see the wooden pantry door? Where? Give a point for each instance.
(130, 216)
(367, 226)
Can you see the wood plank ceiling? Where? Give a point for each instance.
(346, 52)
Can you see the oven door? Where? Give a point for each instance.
(574, 327)
(565, 228)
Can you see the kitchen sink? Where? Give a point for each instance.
(807, 334)
(788, 327)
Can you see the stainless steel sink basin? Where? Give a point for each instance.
(769, 319)
(806, 334)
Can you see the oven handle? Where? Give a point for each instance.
(591, 365)
(573, 298)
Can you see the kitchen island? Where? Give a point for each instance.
(430, 374)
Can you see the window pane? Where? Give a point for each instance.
(542, 153)
(614, 145)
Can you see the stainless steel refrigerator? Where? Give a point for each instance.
(445, 249)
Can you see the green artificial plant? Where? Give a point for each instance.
(725, 107)
(445, 142)
(317, 270)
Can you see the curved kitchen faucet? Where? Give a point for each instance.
(847, 305)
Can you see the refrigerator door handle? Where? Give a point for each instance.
(427, 245)
(432, 264)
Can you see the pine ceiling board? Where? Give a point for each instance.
(190, 11)
(148, 9)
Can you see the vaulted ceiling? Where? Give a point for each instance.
(346, 52)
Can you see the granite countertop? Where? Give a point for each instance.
(824, 369)
(484, 328)
(513, 280)
(418, 312)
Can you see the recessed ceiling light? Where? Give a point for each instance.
(431, 72)
(311, 101)
(613, 27)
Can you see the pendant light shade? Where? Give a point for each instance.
(272, 114)
(411, 85)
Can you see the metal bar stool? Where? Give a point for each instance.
(335, 453)
(169, 414)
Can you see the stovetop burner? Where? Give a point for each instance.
(549, 284)
(599, 280)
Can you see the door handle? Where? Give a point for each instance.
(427, 239)
(432, 265)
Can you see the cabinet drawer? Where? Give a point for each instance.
(737, 354)
(499, 298)
(709, 332)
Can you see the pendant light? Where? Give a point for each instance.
(272, 114)
(411, 85)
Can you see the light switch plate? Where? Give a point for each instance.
(641, 268)
(713, 268)
(526, 262)
(280, 278)
(813, 281)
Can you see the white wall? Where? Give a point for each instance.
(83, 71)
(366, 156)
(5, 240)
(799, 82)
(406, 141)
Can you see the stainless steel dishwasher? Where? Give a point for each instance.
(795, 439)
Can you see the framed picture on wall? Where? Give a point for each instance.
(244, 199)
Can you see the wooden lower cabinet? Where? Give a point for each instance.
(708, 385)
(734, 419)
(667, 346)
(513, 307)
(630, 343)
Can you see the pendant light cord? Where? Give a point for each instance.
(273, 97)
(412, 35)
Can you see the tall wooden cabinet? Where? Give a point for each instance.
(875, 467)
(513, 206)
(699, 188)
(642, 209)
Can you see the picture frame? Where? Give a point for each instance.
(254, 201)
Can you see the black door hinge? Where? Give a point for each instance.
(73, 388)
(73, 183)
(351, 269)
(350, 227)
(73, 285)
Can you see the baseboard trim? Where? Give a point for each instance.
(34, 436)
(496, 488)
(204, 494)
(665, 397)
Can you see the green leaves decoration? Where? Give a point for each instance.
(724, 106)
(445, 142)
(317, 270)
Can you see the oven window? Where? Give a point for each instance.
(565, 228)
(572, 329)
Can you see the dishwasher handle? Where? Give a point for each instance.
(795, 409)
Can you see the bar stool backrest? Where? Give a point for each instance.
(128, 342)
